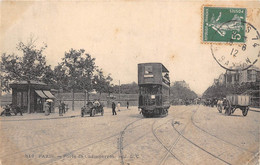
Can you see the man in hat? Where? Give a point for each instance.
(60, 109)
(114, 108)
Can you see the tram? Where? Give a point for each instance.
(154, 89)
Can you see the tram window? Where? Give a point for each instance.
(151, 89)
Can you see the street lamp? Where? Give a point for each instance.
(29, 97)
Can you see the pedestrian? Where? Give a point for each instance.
(7, 111)
(114, 108)
(96, 103)
(63, 107)
(18, 110)
(118, 106)
(127, 104)
(60, 109)
(139, 109)
(46, 108)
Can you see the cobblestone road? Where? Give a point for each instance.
(188, 135)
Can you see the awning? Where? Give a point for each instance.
(48, 93)
(41, 94)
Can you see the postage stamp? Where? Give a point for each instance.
(221, 24)
(238, 56)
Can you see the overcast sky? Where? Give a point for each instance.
(119, 35)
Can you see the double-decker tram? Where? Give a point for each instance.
(154, 89)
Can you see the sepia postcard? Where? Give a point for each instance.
(130, 82)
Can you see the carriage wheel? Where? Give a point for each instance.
(228, 108)
(229, 111)
(245, 111)
(219, 109)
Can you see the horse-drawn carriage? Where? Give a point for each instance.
(92, 109)
(232, 102)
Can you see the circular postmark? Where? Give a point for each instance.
(233, 54)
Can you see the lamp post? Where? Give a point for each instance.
(29, 97)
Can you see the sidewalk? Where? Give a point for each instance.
(40, 116)
(254, 109)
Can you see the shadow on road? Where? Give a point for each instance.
(138, 116)
(236, 116)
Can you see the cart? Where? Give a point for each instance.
(233, 102)
(92, 110)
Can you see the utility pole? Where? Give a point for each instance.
(119, 90)
(29, 98)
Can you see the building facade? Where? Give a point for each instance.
(30, 95)
(250, 75)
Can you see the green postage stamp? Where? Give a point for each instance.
(221, 24)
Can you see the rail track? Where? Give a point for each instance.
(196, 145)
(10, 156)
(121, 141)
(164, 146)
(123, 144)
(223, 140)
(88, 145)
(200, 146)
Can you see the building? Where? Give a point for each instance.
(39, 93)
(240, 77)
(220, 80)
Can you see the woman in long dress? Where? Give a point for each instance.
(46, 108)
(118, 106)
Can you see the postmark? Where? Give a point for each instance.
(234, 43)
(233, 56)
(226, 22)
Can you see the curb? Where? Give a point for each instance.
(254, 109)
(61, 117)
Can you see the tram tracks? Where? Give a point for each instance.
(223, 140)
(123, 144)
(211, 135)
(196, 145)
(169, 151)
(88, 145)
(72, 138)
(131, 125)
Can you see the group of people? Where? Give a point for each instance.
(47, 106)
(62, 108)
(10, 108)
(114, 106)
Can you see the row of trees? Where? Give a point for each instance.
(77, 71)
(179, 92)
(221, 91)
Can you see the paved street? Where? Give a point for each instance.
(188, 135)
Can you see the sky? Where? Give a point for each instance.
(120, 34)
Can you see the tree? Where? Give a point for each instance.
(30, 66)
(130, 88)
(180, 92)
(76, 71)
(101, 83)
